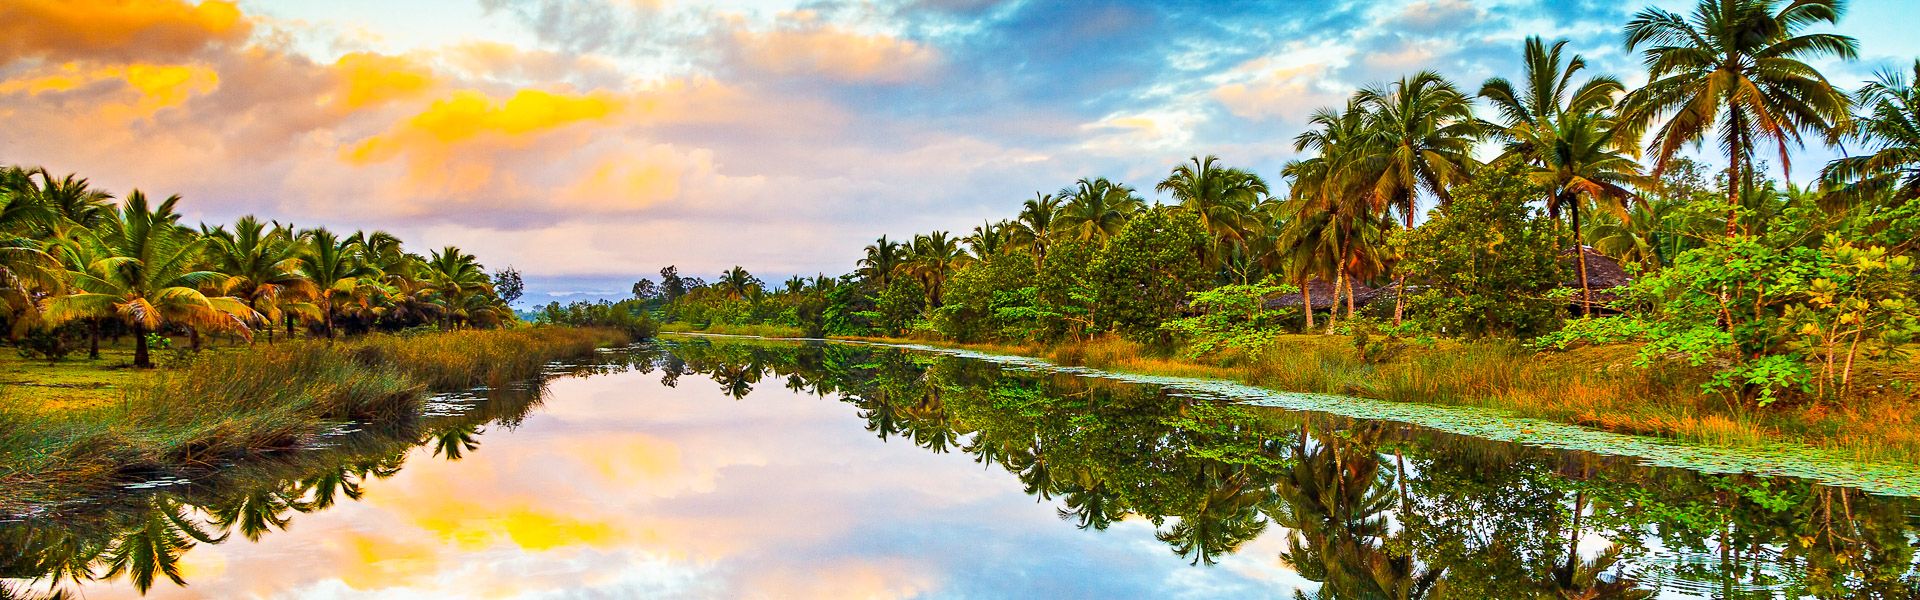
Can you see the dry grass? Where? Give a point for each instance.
(230, 404)
(1595, 386)
(759, 330)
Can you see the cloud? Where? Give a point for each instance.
(368, 79)
(116, 29)
(801, 43)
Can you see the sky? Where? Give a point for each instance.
(589, 142)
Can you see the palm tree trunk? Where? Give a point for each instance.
(327, 315)
(1733, 193)
(1333, 309)
(1306, 300)
(1349, 298)
(142, 359)
(193, 338)
(93, 339)
(1580, 250)
(1400, 283)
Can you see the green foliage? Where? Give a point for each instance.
(1486, 264)
(1233, 317)
(629, 316)
(969, 313)
(1763, 316)
(898, 306)
(1142, 277)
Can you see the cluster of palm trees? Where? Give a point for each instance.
(1735, 72)
(71, 255)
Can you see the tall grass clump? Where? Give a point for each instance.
(228, 405)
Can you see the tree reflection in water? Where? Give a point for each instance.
(1366, 509)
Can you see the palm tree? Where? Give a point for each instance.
(263, 268)
(1097, 208)
(736, 283)
(72, 202)
(1736, 70)
(1038, 223)
(1891, 128)
(1334, 213)
(143, 278)
(883, 256)
(1424, 133)
(26, 269)
(1583, 167)
(1566, 133)
(1528, 115)
(934, 257)
(462, 284)
(1221, 196)
(988, 239)
(334, 266)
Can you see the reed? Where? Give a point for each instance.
(232, 404)
(1597, 387)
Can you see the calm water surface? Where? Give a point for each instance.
(729, 469)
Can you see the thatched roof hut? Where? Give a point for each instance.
(1322, 293)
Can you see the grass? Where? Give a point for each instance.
(760, 330)
(1597, 387)
(228, 404)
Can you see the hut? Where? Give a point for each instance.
(1605, 277)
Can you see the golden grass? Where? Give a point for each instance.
(759, 329)
(233, 403)
(1597, 387)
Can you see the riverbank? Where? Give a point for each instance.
(233, 402)
(757, 330)
(1595, 387)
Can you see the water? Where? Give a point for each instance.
(729, 469)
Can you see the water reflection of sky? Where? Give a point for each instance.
(619, 487)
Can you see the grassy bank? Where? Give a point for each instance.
(233, 403)
(1597, 387)
(761, 330)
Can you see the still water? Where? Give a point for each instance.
(736, 469)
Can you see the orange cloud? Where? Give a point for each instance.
(802, 44)
(469, 114)
(367, 79)
(65, 29)
(153, 87)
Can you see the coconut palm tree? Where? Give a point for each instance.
(1423, 132)
(1567, 133)
(1736, 70)
(1890, 127)
(1334, 209)
(263, 268)
(1097, 208)
(335, 267)
(736, 283)
(988, 239)
(463, 285)
(1221, 196)
(934, 257)
(1527, 115)
(72, 202)
(26, 269)
(883, 257)
(1038, 223)
(144, 277)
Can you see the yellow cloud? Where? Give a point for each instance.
(802, 44)
(115, 28)
(367, 78)
(470, 114)
(154, 86)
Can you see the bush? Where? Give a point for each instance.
(1233, 317)
(1142, 278)
(1487, 264)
